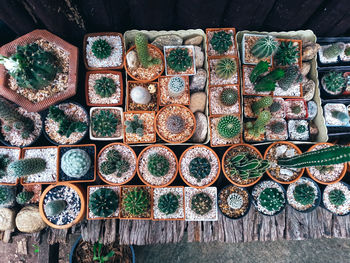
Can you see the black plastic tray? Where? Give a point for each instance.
(325, 70)
(328, 40)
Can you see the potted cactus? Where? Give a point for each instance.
(142, 96)
(221, 41)
(103, 202)
(7, 196)
(225, 130)
(136, 202)
(8, 155)
(174, 90)
(179, 60)
(336, 114)
(277, 130)
(330, 53)
(224, 100)
(168, 203)
(30, 194)
(333, 83)
(77, 163)
(139, 127)
(116, 163)
(336, 198)
(296, 109)
(298, 130)
(223, 71)
(200, 204)
(288, 53)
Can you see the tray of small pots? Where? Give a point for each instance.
(336, 198)
(201, 204)
(334, 51)
(168, 203)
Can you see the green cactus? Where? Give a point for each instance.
(24, 197)
(115, 163)
(235, 201)
(31, 66)
(228, 97)
(325, 169)
(328, 156)
(199, 168)
(25, 167)
(134, 126)
(336, 197)
(136, 202)
(108, 167)
(201, 203)
(262, 103)
(141, 43)
(275, 106)
(296, 109)
(291, 76)
(55, 207)
(271, 199)
(105, 87)
(347, 51)
(175, 124)
(258, 127)
(75, 163)
(7, 195)
(264, 47)
(277, 127)
(258, 70)
(122, 167)
(113, 155)
(228, 126)
(221, 41)
(247, 166)
(179, 59)
(300, 128)
(340, 115)
(304, 194)
(158, 165)
(226, 68)
(101, 48)
(287, 54)
(176, 87)
(268, 82)
(103, 202)
(168, 203)
(104, 123)
(334, 81)
(334, 50)
(4, 162)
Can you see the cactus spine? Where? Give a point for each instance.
(199, 168)
(158, 165)
(262, 103)
(176, 87)
(228, 126)
(101, 49)
(103, 202)
(141, 43)
(258, 127)
(25, 167)
(168, 203)
(7, 195)
(336, 197)
(75, 163)
(175, 124)
(333, 50)
(271, 199)
(228, 97)
(264, 47)
(134, 126)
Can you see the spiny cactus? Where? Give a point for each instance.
(275, 106)
(24, 167)
(258, 70)
(175, 124)
(113, 155)
(158, 165)
(75, 163)
(134, 126)
(325, 169)
(24, 197)
(103, 202)
(340, 115)
(291, 76)
(258, 127)
(4, 162)
(334, 81)
(168, 203)
(105, 87)
(268, 82)
(101, 48)
(300, 128)
(199, 168)
(287, 54)
(235, 201)
(304, 194)
(104, 123)
(262, 103)
(296, 109)
(136, 202)
(7, 195)
(271, 199)
(140, 95)
(226, 68)
(228, 97)
(264, 47)
(333, 50)
(141, 43)
(228, 126)
(328, 156)
(277, 127)
(179, 59)
(55, 207)
(108, 167)
(221, 41)
(31, 66)
(176, 86)
(247, 166)
(115, 163)
(201, 203)
(347, 51)
(336, 197)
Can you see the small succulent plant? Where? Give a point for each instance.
(296, 109)
(7, 195)
(176, 86)
(141, 43)
(291, 76)
(257, 128)
(168, 203)
(221, 41)
(101, 48)
(334, 50)
(304, 194)
(175, 124)
(104, 123)
(55, 207)
(24, 197)
(235, 201)
(334, 82)
(140, 95)
(287, 54)
(103, 202)
(199, 168)
(158, 165)
(105, 87)
(228, 126)
(179, 59)
(228, 97)
(262, 103)
(201, 203)
(264, 47)
(336, 197)
(300, 128)
(277, 127)
(4, 162)
(340, 115)
(108, 167)
(226, 68)
(136, 202)
(261, 68)
(275, 106)
(75, 163)
(272, 199)
(134, 126)
(115, 163)
(24, 167)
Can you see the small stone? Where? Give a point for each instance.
(199, 57)
(280, 150)
(310, 50)
(196, 40)
(305, 69)
(198, 101)
(290, 153)
(132, 60)
(167, 40)
(311, 109)
(313, 129)
(28, 220)
(286, 172)
(7, 219)
(309, 88)
(198, 81)
(201, 131)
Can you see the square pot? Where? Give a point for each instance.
(248, 41)
(14, 154)
(247, 86)
(36, 189)
(180, 212)
(153, 105)
(273, 136)
(232, 51)
(214, 80)
(303, 114)
(299, 44)
(294, 135)
(149, 122)
(215, 139)
(215, 105)
(211, 215)
(190, 71)
(163, 95)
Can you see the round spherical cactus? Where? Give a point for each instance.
(7, 196)
(158, 165)
(179, 59)
(277, 127)
(176, 86)
(199, 168)
(226, 68)
(175, 124)
(75, 163)
(24, 197)
(334, 82)
(103, 202)
(168, 203)
(136, 202)
(201, 203)
(271, 199)
(287, 54)
(134, 126)
(108, 167)
(275, 106)
(105, 87)
(264, 47)
(300, 128)
(221, 41)
(304, 194)
(334, 50)
(228, 97)
(228, 126)
(101, 49)
(140, 95)
(235, 201)
(104, 123)
(336, 197)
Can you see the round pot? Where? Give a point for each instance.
(325, 90)
(81, 214)
(323, 205)
(298, 151)
(319, 181)
(223, 164)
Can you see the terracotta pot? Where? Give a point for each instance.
(154, 127)
(88, 201)
(305, 105)
(180, 106)
(102, 34)
(210, 69)
(163, 90)
(298, 151)
(93, 162)
(98, 157)
(226, 87)
(19, 157)
(103, 72)
(36, 189)
(211, 117)
(22, 157)
(300, 45)
(10, 48)
(317, 180)
(138, 164)
(128, 99)
(81, 214)
(145, 80)
(217, 174)
(223, 164)
(222, 29)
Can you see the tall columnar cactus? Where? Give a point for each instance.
(105, 87)
(336, 197)
(272, 199)
(228, 97)
(104, 123)
(101, 48)
(327, 156)
(55, 207)
(261, 68)
(201, 203)
(258, 127)
(334, 81)
(24, 197)
(103, 202)
(264, 47)
(31, 66)
(4, 162)
(168, 203)
(158, 165)
(179, 59)
(268, 82)
(176, 87)
(134, 126)
(7, 195)
(25, 167)
(175, 124)
(221, 41)
(136, 202)
(334, 50)
(199, 168)
(262, 103)
(287, 54)
(75, 163)
(228, 126)
(143, 54)
(340, 115)
(226, 68)
(291, 76)
(304, 194)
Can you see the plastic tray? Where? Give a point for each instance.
(323, 41)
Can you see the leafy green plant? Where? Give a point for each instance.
(201, 203)
(228, 97)
(334, 81)
(141, 43)
(334, 50)
(104, 123)
(287, 53)
(101, 48)
(24, 167)
(75, 163)
(268, 82)
(264, 47)
(336, 197)
(97, 252)
(221, 41)
(136, 201)
(179, 59)
(228, 126)
(271, 199)
(226, 68)
(4, 162)
(55, 207)
(262, 103)
(24, 197)
(168, 203)
(175, 124)
(199, 168)
(103, 202)
(304, 194)
(257, 128)
(158, 165)
(105, 87)
(134, 126)
(261, 68)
